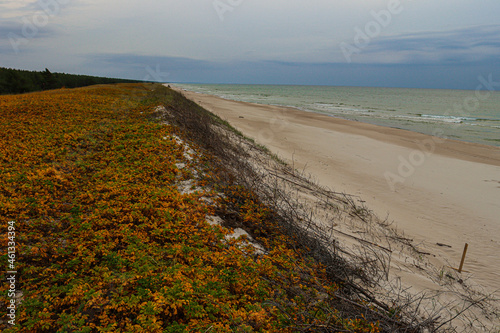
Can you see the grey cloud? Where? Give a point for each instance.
(16, 27)
(142, 61)
(7, 27)
(139, 66)
(456, 45)
(282, 72)
(51, 6)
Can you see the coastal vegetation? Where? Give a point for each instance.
(15, 81)
(113, 191)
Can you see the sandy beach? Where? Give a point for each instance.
(436, 191)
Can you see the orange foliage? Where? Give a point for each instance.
(105, 240)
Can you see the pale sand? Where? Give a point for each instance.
(451, 195)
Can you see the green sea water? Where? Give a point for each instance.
(465, 115)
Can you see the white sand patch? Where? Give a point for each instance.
(214, 220)
(162, 109)
(237, 233)
(248, 240)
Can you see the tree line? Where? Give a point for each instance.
(15, 81)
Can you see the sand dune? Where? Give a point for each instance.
(435, 190)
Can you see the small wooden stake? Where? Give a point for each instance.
(463, 258)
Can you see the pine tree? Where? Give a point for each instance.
(49, 81)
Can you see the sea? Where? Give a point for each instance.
(466, 115)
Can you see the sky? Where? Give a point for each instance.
(390, 43)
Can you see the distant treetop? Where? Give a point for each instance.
(15, 81)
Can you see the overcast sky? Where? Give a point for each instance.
(394, 43)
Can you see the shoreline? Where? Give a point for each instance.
(439, 186)
(487, 154)
(456, 127)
